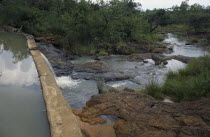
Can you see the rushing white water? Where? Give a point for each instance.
(175, 65)
(167, 100)
(63, 81)
(76, 92)
(67, 82)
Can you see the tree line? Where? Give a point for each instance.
(85, 22)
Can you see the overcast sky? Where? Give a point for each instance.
(151, 4)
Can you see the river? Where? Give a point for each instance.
(78, 92)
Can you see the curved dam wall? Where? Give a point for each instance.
(63, 122)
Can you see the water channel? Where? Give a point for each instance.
(78, 92)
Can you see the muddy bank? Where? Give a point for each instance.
(143, 116)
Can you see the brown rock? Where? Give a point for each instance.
(143, 116)
(138, 57)
(193, 121)
(93, 120)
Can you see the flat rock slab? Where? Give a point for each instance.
(63, 122)
(143, 116)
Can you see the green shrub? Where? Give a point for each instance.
(101, 87)
(154, 89)
(102, 53)
(190, 83)
(187, 84)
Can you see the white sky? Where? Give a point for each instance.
(151, 4)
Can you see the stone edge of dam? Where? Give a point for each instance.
(62, 121)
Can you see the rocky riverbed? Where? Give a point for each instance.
(138, 114)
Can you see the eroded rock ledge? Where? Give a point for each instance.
(143, 116)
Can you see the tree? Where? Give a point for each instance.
(199, 21)
(156, 18)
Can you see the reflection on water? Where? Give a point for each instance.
(22, 108)
(14, 44)
(21, 73)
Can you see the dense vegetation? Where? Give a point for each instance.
(104, 25)
(186, 84)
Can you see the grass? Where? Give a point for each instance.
(102, 53)
(101, 87)
(187, 84)
(154, 89)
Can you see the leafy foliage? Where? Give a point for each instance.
(188, 84)
(101, 23)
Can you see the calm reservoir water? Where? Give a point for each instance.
(22, 108)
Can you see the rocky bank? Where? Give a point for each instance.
(143, 116)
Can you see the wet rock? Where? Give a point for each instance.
(145, 61)
(59, 59)
(143, 116)
(158, 58)
(188, 43)
(138, 57)
(114, 76)
(109, 76)
(93, 67)
(181, 58)
(162, 50)
(86, 76)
